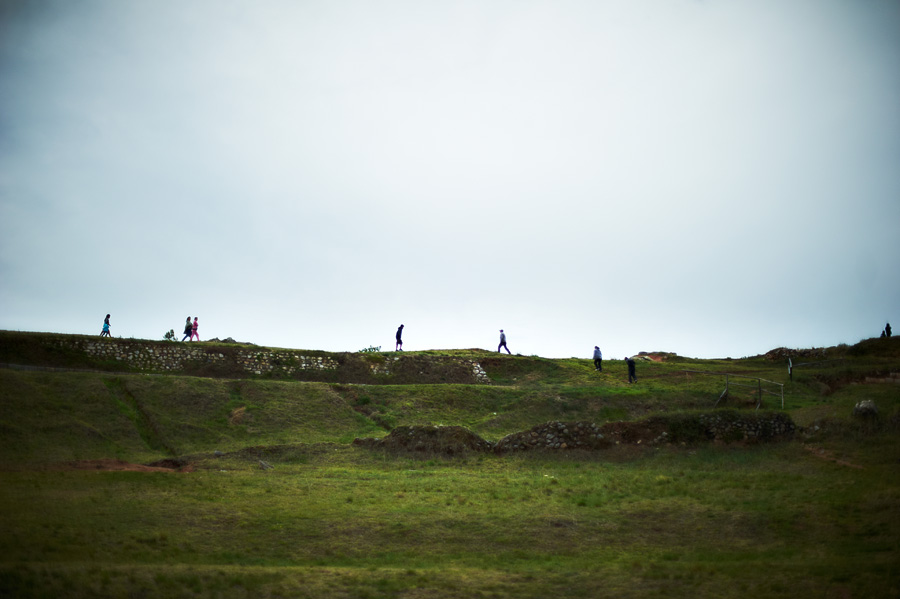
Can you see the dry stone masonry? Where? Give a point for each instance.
(729, 426)
(383, 368)
(175, 357)
(395, 364)
(229, 359)
(555, 435)
(477, 371)
(724, 426)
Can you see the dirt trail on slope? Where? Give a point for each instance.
(112, 465)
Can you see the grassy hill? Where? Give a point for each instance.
(816, 515)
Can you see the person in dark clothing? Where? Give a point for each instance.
(887, 329)
(399, 345)
(188, 328)
(503, 342)
(632, 377)
(598, 359)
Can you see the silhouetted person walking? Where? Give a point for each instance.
(632, 377)
(887, 329)
(105, 331)
(187, 328)
(399, 344)
(598, 359)
(503, 342)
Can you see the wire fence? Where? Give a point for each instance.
(760, 386)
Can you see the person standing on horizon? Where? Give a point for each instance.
(632, 377)
(187, 328)
(503, 342)
(194, 328)
(598, 359)
(105, 331)
(399, 345)
(887, 330)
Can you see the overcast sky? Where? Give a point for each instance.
(713, 178)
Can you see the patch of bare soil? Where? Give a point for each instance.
(109, 465)
(239, 416)
(828, 455)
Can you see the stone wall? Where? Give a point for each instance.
(692, 430)
(393, 363)
(730, 426)
(236, 360)
(722, 425)
(174, 357)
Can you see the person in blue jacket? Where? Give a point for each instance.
(105, 331)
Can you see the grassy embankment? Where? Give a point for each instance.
(818, 516)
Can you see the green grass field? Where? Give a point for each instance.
(815, 516)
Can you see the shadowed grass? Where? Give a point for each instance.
(704, 521)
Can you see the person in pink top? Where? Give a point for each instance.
(194, 332)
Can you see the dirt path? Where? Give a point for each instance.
(109, 465)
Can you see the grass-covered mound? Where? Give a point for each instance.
(126, 484)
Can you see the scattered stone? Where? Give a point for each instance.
(866, 409)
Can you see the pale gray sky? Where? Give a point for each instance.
(713, 178)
